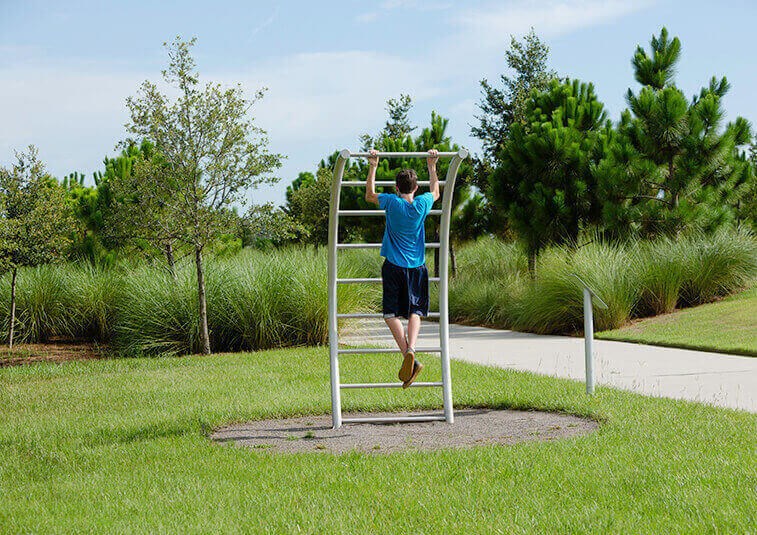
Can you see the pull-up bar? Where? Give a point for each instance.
(462, 153)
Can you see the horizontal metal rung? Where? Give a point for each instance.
(360, 351)
(376, 212)
(376, 245)
(390, 419)
(359, 183)
(376, 315)
(389, 385)
(373, 280)
(462, 153)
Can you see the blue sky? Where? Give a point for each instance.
(66, 68)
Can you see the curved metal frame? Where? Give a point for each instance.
(333, 280)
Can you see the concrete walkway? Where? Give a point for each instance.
(718, 379)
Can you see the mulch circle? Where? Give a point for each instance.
(472, 428)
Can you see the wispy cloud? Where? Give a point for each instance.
(264, 24)
(550, 18)
(317, 101)
(370, 16)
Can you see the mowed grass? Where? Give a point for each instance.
(728, 326)
(121, 446)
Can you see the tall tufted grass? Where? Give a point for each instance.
(635, 279)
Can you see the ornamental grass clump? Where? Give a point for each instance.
(717, 265)
(43, 304)
(553, 302)
(256, 301)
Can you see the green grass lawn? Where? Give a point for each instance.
(728, 326)
(121, 446)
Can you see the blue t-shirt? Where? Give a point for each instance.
(404, 241)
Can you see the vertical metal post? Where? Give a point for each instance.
(336, 402)
(449, 190)
(588, 340)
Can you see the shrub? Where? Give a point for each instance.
(635, 279)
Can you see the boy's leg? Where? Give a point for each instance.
(413, 329)
(395, 325)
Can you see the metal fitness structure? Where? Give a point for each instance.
(443, 314)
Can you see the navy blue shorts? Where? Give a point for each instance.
(405, 290)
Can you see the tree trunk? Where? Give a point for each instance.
(170, 259)
(204, 336)
(452, 259)
(13, 307)
(674, 190)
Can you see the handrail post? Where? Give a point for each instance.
(588, 341)
(588, 294)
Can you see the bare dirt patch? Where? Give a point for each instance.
(472, 428)
(54, 351)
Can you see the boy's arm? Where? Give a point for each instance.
(370, 186)
(433, 180)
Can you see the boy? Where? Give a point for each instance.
(404, 273)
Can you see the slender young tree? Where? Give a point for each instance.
(504, 106)
(209, 154)
(35, 220)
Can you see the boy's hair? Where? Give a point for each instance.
(406, 181)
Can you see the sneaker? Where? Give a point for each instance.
(406, 371)
(417, 367)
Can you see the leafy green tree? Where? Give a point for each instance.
(208, 154)
(304, 179)
(311, 204)
(35, 220)
(138, 218)
(673, 165)
(544, 180)
(265, 225)
(397, 125)
(501, 107)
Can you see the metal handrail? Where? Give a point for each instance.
(594, 294)
(588, 293)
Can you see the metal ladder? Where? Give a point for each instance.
(334, 246)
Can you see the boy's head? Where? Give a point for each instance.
(406, 181)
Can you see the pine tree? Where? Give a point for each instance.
(672, 165)
(544, 181)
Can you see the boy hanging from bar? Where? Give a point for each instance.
(404, 273)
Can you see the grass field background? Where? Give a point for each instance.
(728, 326)
(121, 445)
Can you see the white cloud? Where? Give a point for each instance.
(317, 102)
(366, 17)
(74, 117)
(494, 23)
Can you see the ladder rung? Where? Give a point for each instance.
(376, 212)
(388, 385)
(376, 315)
(376, 245)
(373, 280)
(360, 351)
(390, 419)
(358, 183)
